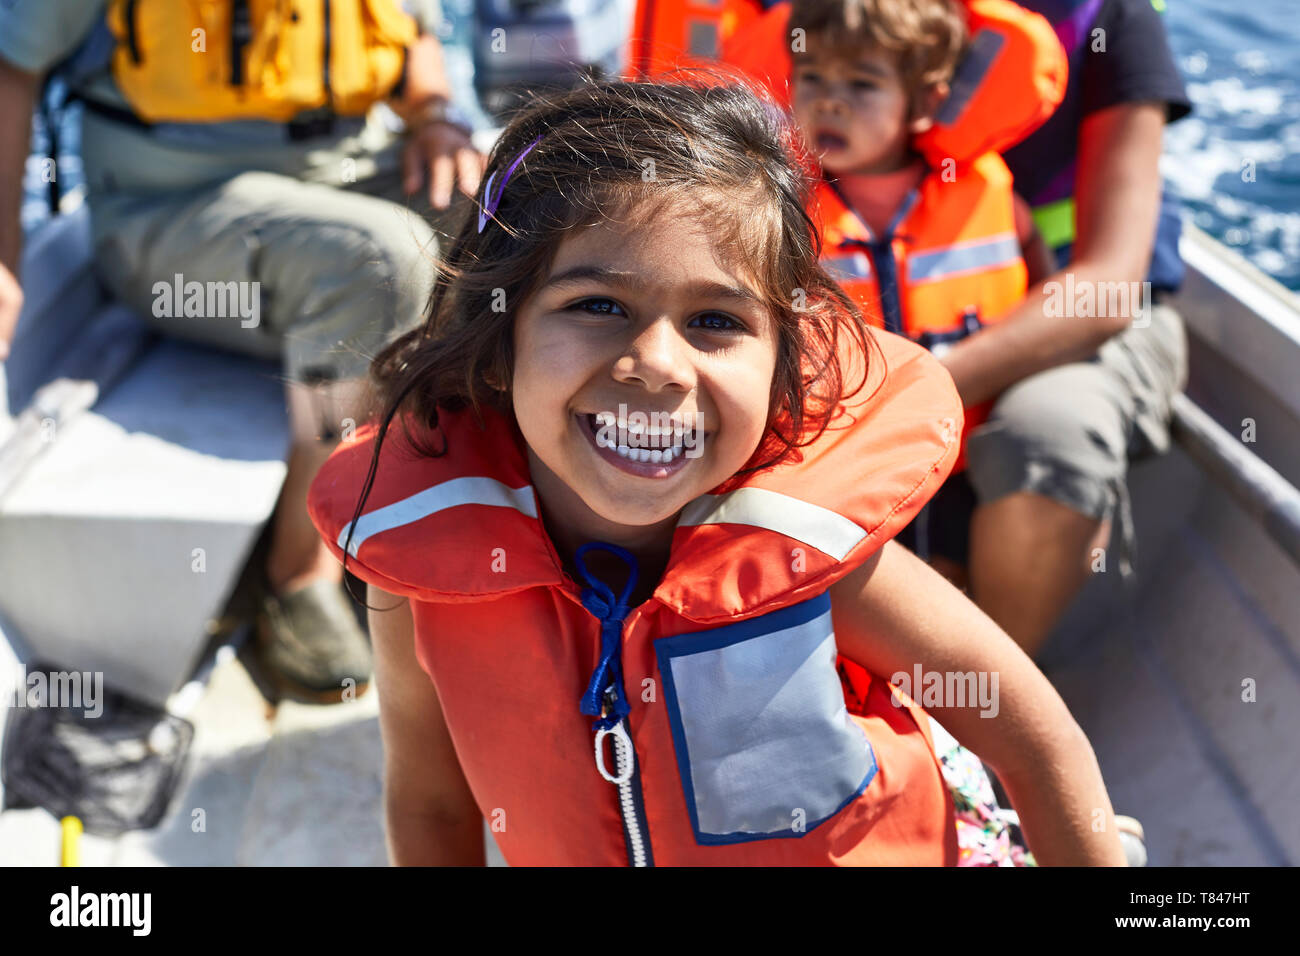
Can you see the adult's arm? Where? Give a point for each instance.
(1117, 201)
(17, 98)
(34, 36)
(431, 815)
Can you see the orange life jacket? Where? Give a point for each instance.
(670, 34)
(952, 258)
(1010, 81)
(952, 250)
(739, 737)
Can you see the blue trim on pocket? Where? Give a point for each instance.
(682, 645)
(729, 634)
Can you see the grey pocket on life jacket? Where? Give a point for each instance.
(765, 745)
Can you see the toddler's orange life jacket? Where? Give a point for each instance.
(951, 261)
(949, 264)
(739, 735)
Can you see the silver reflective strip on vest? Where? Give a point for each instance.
(823, 529)
(702, 39)
(449, 494)
(973, 256)
(767, 738)
(854, 265)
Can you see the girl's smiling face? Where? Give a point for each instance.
(646, 317)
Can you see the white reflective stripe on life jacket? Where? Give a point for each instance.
(448, 494)
(973, 255)
(826, 530)
(850, 265)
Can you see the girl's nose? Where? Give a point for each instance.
(657, 359)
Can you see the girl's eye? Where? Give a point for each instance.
(709, 322)
(594, 304)
(863, 85)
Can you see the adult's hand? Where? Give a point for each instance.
(11, 303)
(444, 154)
(438, 151)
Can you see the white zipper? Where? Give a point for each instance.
(638, 849)
(625, 764)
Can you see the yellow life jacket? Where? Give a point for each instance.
(215, 60)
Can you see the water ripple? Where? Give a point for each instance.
(1236, 160)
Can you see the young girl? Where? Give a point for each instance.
(629, 538)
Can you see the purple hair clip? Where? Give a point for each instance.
(492, 201)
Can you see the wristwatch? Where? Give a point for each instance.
(439, 109)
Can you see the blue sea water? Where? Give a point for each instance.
(1235, 161)
(1241, 62)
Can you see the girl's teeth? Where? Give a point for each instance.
(656, 456)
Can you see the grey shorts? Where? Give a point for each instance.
(320, 276)
(1069, 433)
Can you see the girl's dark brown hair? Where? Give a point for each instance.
(706, 143)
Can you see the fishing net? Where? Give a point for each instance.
(116, 770)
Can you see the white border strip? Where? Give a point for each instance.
(827, 531)
(449, 494)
